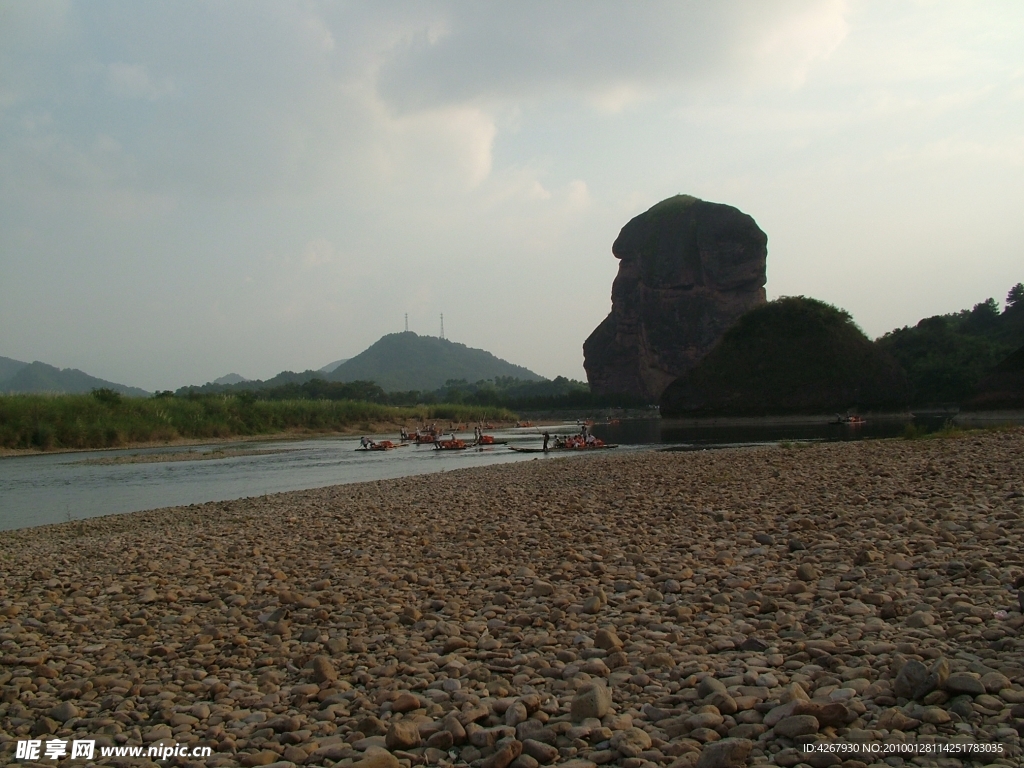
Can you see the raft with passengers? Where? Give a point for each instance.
(584, 441)
(366, 444)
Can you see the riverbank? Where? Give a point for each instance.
(208, 442)
(214, 454)
(378, 430)
(104, 419)
(780, 421)
(641, 610)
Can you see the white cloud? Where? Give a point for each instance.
(418, 154)
(133, 81)
(318, 252)
(578, 196)
(802, 35)
(434, 147)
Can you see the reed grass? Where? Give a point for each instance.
(53, 422)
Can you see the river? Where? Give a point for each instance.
(55, 488)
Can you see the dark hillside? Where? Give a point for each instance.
(282, 379)
(39, 377)
(1003, 389)
(8, 368)
(793, 355)
(947, 356)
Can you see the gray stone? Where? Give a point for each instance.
(631, 742)
(797, 725)
(595, 700)
(995, 682)
(505, 752)
(378, 759)
(541, 752)
(964, 683)
(607, 639)
(524, 761)
(44, 726)
(920, 619)
(806, 572)
(323, 669)
(403, 734)
(710, 685)
(64, 712)
(910, 678)
(727, 753)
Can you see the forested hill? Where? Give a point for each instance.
(947, 356)
(40, 377)
(9, 367)
(401, 362)
(792, 355)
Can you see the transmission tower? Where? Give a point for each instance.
(406, 322)
(442, 325)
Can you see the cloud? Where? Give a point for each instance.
(412, 155)
(603, 51)
(365, 104)
(798, 40)
(133, 81)
(318, 252)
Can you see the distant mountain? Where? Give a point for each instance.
(400, 362)
(40, 377)
(8, 368)
(231, 378)
(251, 385)
(329, 368)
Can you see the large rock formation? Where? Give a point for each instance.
(688, 269)
(794, 355)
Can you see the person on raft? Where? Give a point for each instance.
(366, 443)
(546, 438)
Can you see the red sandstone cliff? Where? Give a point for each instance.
(687, 270)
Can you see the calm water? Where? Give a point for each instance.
(38, 490)
(668, 432)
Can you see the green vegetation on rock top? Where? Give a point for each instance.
(673, 205)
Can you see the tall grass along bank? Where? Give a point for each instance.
(103, 419)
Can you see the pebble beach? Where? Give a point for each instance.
(714, 609)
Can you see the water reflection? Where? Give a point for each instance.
(682, 434)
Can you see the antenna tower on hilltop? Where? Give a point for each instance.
(406, 322)
(442, 325)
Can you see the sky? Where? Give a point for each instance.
(189, 189)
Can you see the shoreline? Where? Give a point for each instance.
(776, 421)
(966, 419)
(184, 442)
(381, 430)
(632, 610)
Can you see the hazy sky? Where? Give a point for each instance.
(193, 188)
